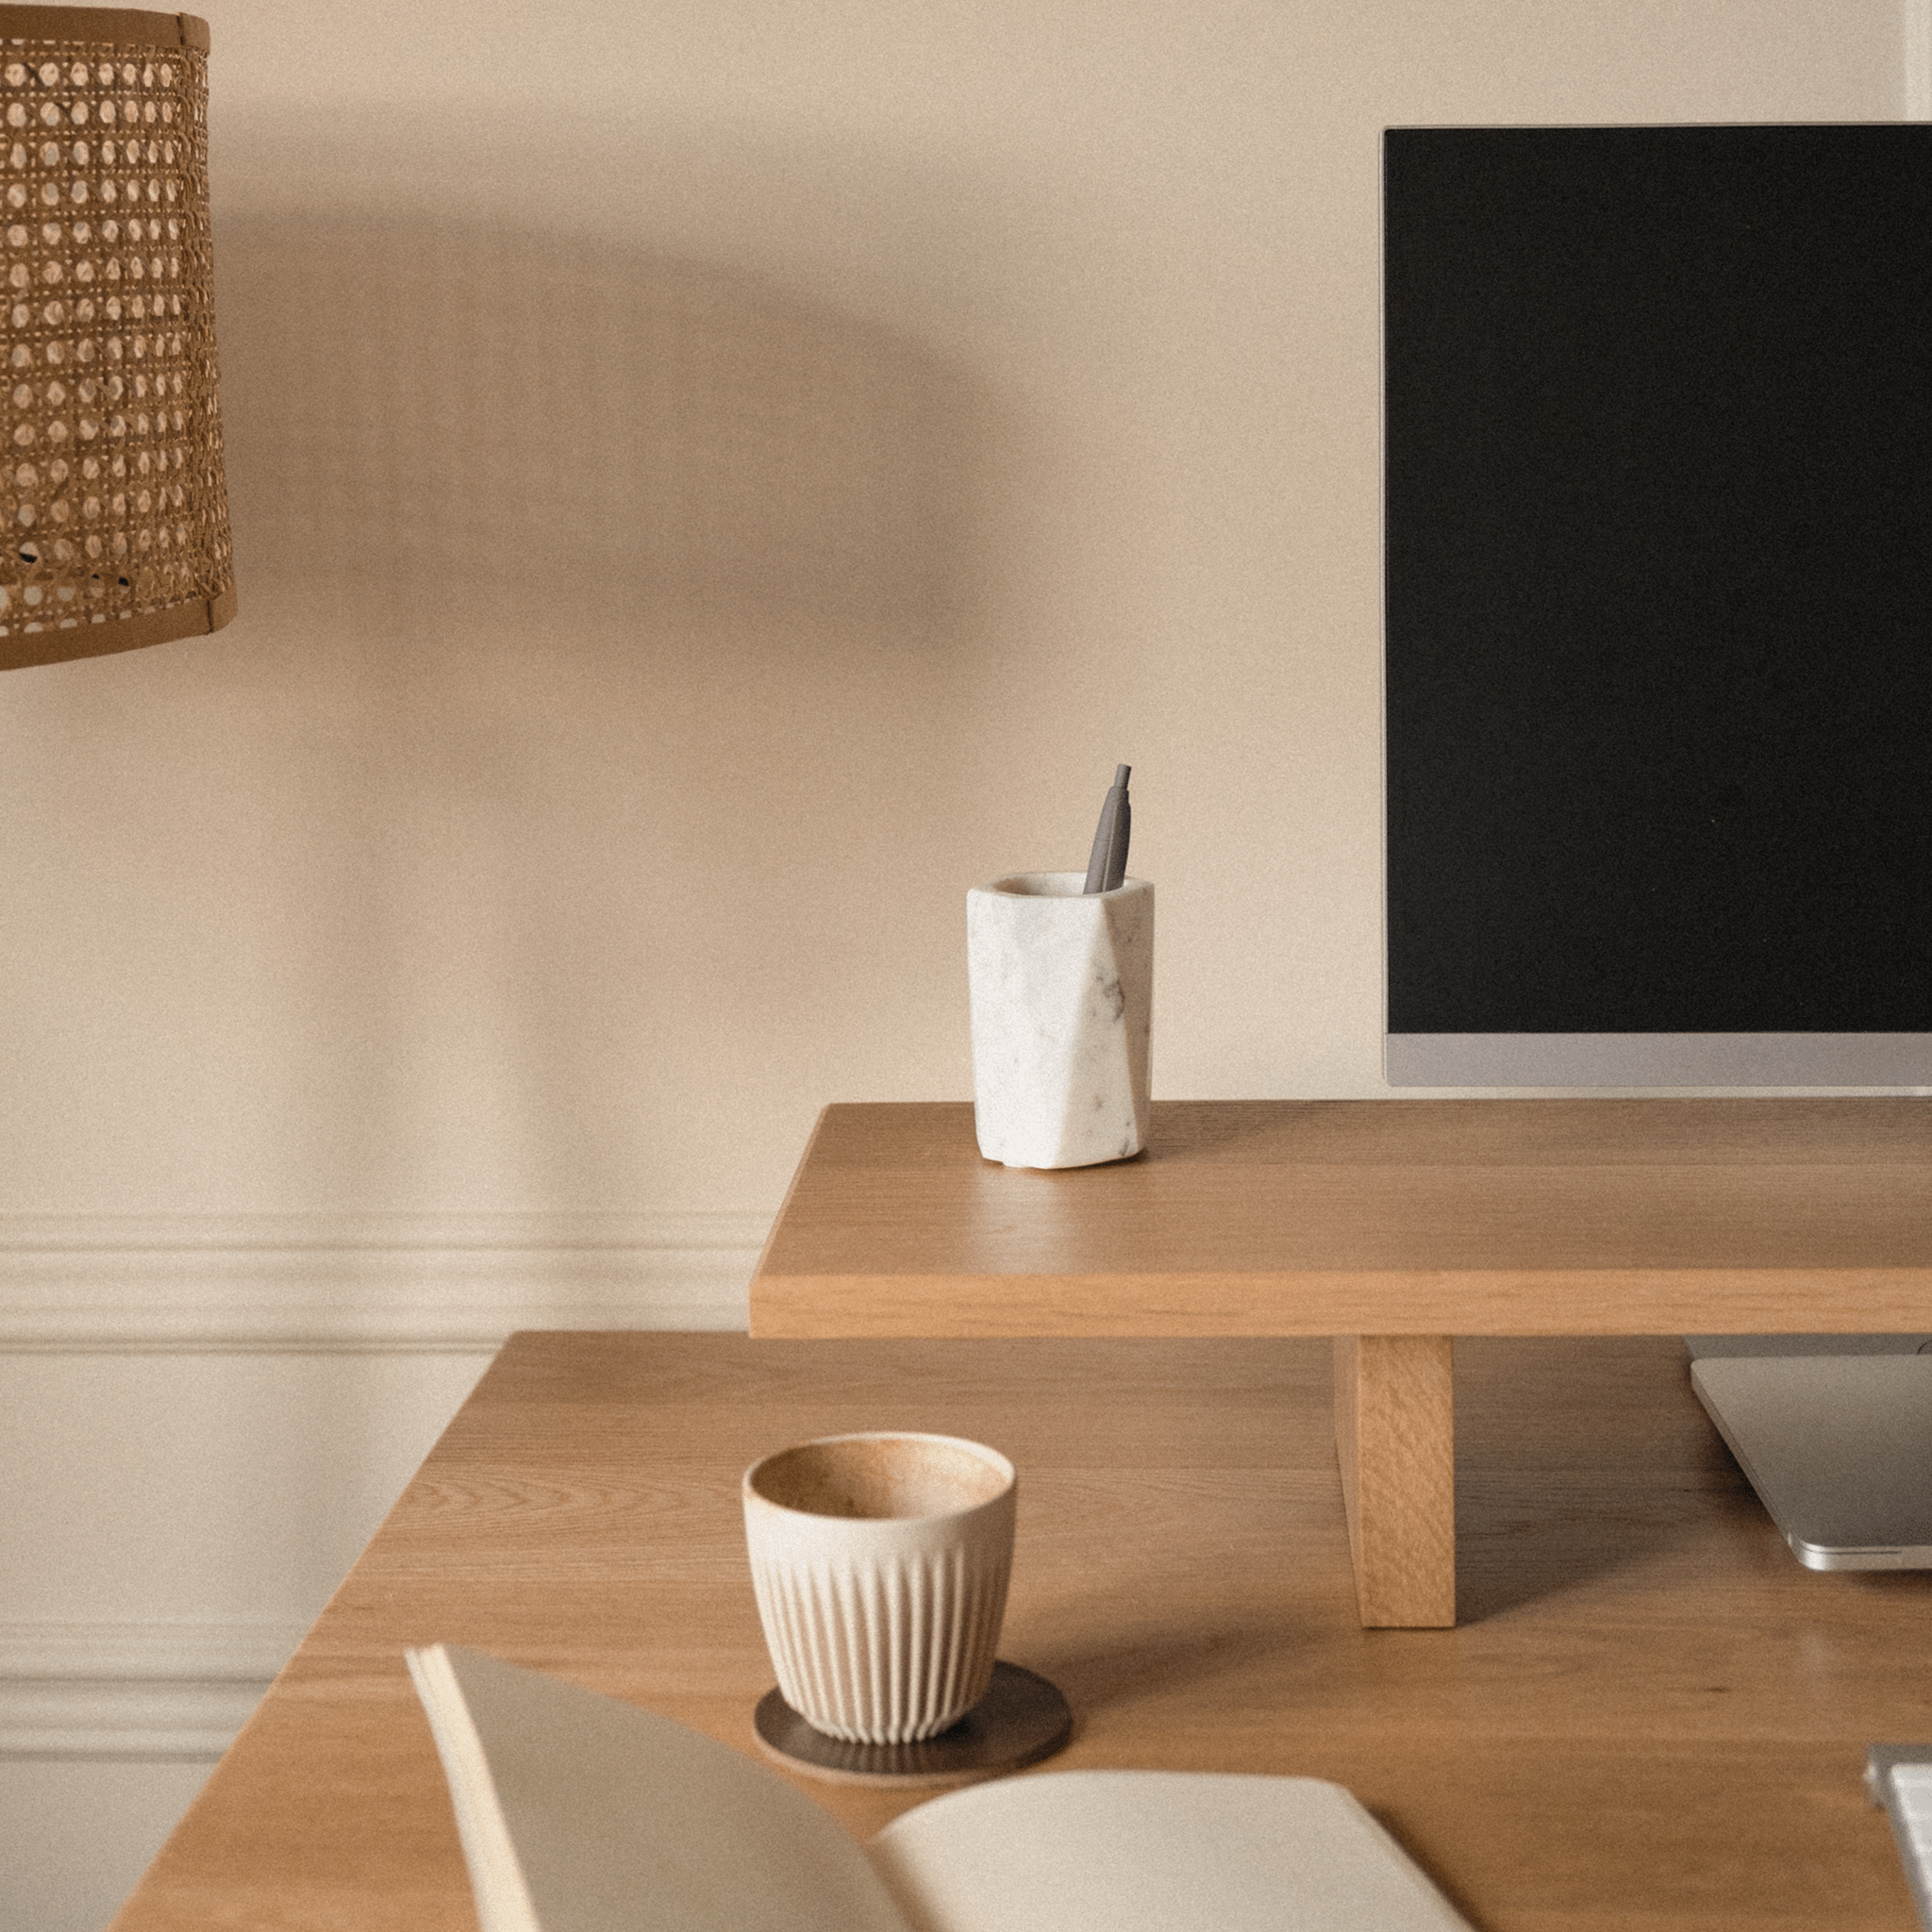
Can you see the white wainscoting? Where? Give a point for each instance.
(389, 1283)
(202, 1419)
(160, 1692)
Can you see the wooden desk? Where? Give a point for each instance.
(1392, 1225)
(1651, 1719)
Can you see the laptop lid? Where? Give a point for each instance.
(1838, 1448)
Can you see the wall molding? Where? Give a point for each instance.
(274, 1284)
(133, 1691)
(133, 1284)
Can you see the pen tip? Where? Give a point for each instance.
(1119, 774)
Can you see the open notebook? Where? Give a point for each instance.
(580, 1813)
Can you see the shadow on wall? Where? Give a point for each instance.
(597, 599)
(421, 410)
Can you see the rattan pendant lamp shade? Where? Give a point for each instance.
(113, 507)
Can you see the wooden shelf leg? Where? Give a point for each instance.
(1396, 1438)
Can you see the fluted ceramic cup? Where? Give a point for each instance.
(880, 1564)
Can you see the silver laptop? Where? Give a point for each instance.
(1835, 1433)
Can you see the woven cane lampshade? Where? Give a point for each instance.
(113, 508)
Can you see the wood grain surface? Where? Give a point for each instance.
(1650, 1719)
(1395, 1442)
(1386, 1217)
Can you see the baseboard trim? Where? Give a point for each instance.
(147, 1691)
(461, 1283)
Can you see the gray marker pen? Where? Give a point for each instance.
(1108, 865)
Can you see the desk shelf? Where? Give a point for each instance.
(1401, 1220)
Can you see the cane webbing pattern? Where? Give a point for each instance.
(113, 508)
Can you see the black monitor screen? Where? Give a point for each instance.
(1658, 598)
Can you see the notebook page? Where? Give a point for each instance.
(622, 1820)
(1146, 1851)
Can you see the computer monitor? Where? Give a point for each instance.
(1658, 439)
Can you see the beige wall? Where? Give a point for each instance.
(710, 483)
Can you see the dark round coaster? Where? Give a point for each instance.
(1021, 1720)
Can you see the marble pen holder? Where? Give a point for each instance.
(1061, 983)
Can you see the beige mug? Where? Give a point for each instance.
(880, 1564)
